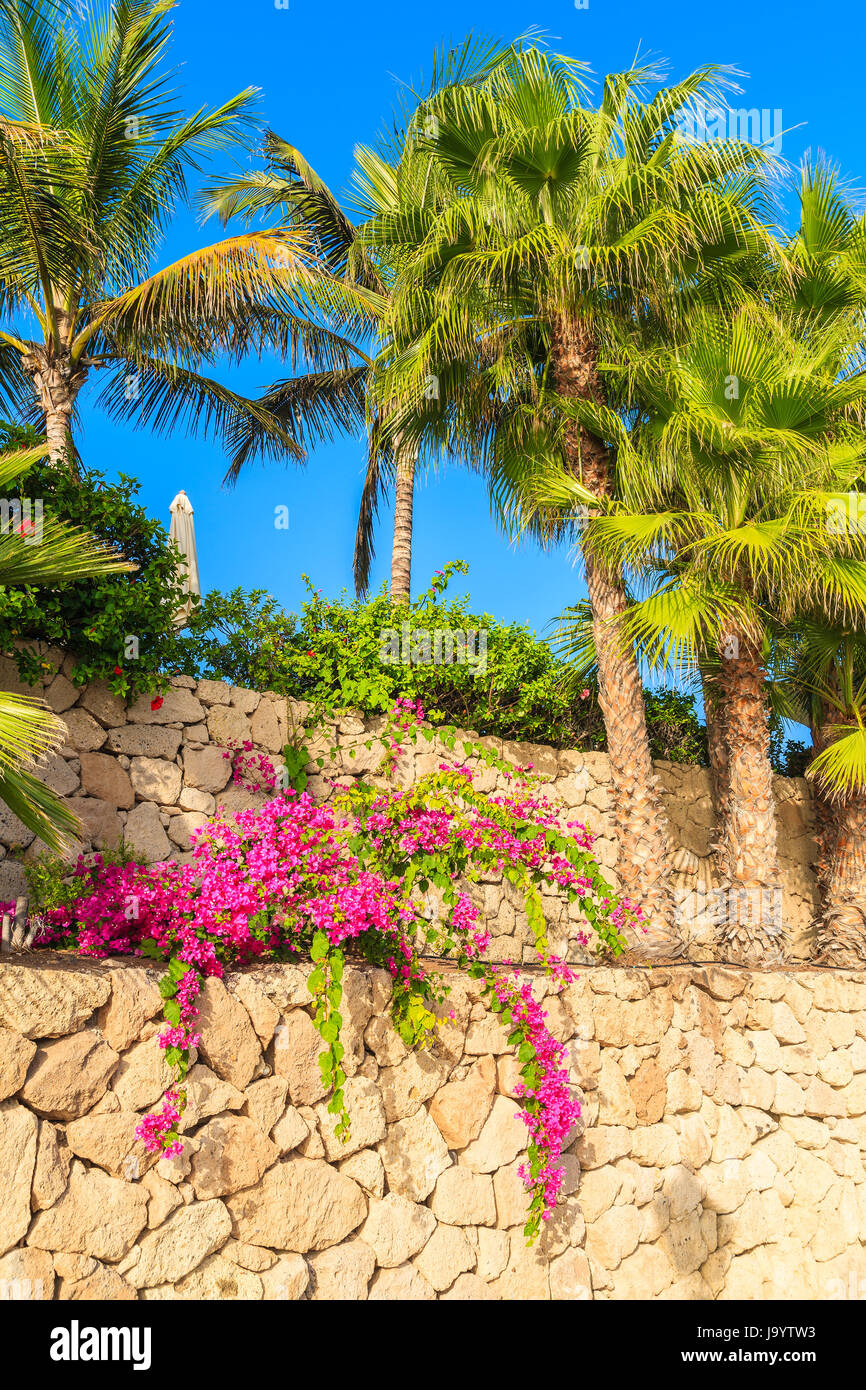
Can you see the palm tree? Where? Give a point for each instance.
(827, 255)
(839, 773)
(43, 552)
(820, 681)
(94, 158)
(826, 260)
(563, 219)
(343, 339)
(332, 395)
(748, 430)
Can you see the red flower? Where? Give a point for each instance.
(156, 703)
(311, 653)
(118, 670)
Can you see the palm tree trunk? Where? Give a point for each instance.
(824, 813)
(401, 554)
(841, 939)
(840, 829)
(752, 932)
(57, 421)
(644, 864)
(717, 748)
(56, 386)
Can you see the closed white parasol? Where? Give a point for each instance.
(182, 532)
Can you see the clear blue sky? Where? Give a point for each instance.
(329, 75)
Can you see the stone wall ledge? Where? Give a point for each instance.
(153, 777)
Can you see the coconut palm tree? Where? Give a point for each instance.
(345, 336)
(748, 431)
(332, 395)
(566, 217)
(94, 159)
(43, 551)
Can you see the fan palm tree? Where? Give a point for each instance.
(827, 263)
(827, 254)
(43, 552)
(94, 159)
(818, 275)
(564, 218)
(820, 681)
(749, 430)
(838, 771)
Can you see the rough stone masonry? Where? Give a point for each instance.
(720, 1153)
(154, 776)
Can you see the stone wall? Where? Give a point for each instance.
(153, 776)
(720, 1154)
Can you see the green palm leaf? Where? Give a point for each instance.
(840, 769)
(39, 808)
(29, 730)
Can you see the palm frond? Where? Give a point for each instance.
(53, 552)
(39, 808)
(840, 768)
(165, 396)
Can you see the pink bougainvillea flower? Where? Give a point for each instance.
(277, 879)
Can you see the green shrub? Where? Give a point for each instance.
(333, 651)
(789, 756)
(674, 728)
(52, 882)
(95, 619)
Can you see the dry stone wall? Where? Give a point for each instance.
(154, 776)
(719, 1156)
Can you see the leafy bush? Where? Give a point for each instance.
(789, 756)
(674, 728)
(337, 651)
(95, 619)
(52, 883)
(17, 436)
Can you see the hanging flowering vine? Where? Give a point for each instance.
(292, 880)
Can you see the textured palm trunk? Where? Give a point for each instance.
(841, 938)
(824, 815)
(401, 554)
(840, 829)
(644, 865)
(58, 417)
(752, 928)
(717, 749)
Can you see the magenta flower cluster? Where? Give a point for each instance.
(250, 769)
(549, 1110)
(291, 879)
(260, 886)
(405, 714)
